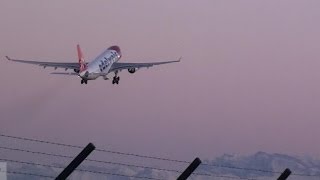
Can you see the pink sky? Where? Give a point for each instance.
(249, 79)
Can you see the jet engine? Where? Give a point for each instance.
(132, 70)
(76, 71)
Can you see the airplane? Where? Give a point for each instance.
(102, 65)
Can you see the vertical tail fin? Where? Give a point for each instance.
(82, 63)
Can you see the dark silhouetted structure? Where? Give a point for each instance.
(286, 173)
(193, 166)
(76, 162)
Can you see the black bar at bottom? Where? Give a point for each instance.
(193, 166)
(76, 162)
(286, 173)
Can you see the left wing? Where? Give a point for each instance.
(77, 74)
(75, 66)
(118, 66)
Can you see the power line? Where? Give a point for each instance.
(81, 170)
(259, 170)
(135, 155)
(115, 163)
(143, 156)
(129, 154)
(101, 150)
(39, 141)
(107, 173)
(92, 160)
(241, 168)
(28, 174)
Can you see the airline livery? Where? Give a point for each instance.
(102, 65)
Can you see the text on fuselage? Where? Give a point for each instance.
(106, 61)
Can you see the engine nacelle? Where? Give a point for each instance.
(76, 71)
(132, 70)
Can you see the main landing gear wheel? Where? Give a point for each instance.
(116, 80)
(84, 81)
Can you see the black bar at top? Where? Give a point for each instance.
(76, 162)
(286, 173)
(193, 166)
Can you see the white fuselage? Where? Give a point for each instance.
(100, 65)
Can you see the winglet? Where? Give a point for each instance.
(8, 58)
(179, 59)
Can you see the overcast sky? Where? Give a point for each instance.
(248, 80)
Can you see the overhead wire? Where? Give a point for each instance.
(132, 154)
(113, 163)
(28, 174)
(107, 173)
(81, 170)
(97, 149)
(91, 160)
(124, 164)
(135, 155)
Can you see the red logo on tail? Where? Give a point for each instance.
(82, 63)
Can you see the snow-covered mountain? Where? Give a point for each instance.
(257, 166)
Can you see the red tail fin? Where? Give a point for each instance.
(82, 62)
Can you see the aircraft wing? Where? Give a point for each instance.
(77, 74)
(118, 66)
(48, 64)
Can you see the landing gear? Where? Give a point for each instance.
(116, 78)
(83, 81)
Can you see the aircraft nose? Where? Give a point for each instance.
(117, 49)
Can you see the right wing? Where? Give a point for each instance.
(74, 66)
(118, 66)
